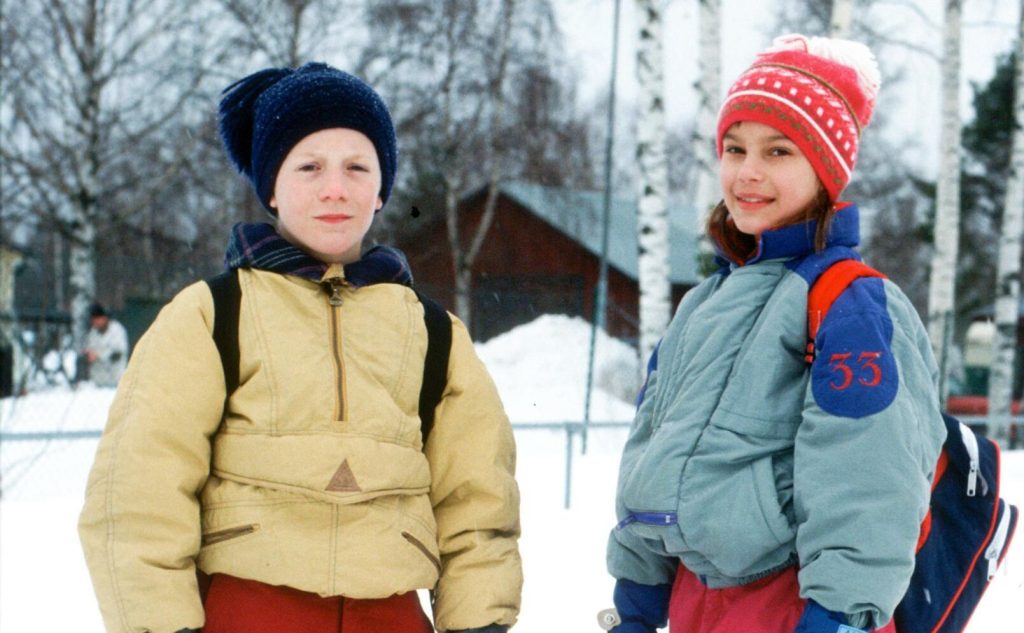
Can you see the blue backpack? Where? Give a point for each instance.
(968, 529)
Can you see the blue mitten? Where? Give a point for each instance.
(818, 619)
(642, 608)
(493, 628)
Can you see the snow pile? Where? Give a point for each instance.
(57, 409)
(541, 372)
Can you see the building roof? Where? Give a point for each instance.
(578, 215)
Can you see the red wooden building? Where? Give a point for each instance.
(542, 255)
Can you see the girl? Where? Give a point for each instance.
(306, 501)
(754, 495)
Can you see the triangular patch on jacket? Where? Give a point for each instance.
(343, 480)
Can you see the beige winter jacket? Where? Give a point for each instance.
(317, 478)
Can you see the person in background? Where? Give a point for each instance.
(106, 347)
(305, 501)
(763, 490)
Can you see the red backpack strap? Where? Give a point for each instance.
(826, 289)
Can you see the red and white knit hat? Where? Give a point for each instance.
(819, 92)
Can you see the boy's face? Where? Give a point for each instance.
(327, 192)
(767, 182)
(99, 323)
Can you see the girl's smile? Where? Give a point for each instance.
(766, 180)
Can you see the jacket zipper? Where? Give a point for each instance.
(228, 534)
(995, 549)
(423, 548)
(649, 518)
(336, 284)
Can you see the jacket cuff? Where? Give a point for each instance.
(642, 604)
(818, 619)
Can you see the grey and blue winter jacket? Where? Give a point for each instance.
(741, 461)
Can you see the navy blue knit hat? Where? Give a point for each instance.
(263, 116)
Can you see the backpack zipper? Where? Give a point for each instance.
(971, 444)
(995, 549)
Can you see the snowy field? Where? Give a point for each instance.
(540, 369)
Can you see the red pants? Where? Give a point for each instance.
(236, 605)
(769, 605)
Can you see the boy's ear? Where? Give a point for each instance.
(380, 203)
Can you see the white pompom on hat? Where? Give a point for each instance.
(820, 92)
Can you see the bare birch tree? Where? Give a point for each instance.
(652, 210)
(464, 255)
(709, 64)
(1004, 342)
(288, 32)
(477, 101)
(941, 288)
(841, 20)
(88, 82)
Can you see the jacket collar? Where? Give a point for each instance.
(797, 240)
(260, 246)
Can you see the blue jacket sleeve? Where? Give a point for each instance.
(642, 608)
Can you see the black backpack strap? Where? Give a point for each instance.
(227, 302)
(435, 367)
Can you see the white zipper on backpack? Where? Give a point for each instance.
(995, 549)
(971, 444)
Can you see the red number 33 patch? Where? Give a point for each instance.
(867, 372)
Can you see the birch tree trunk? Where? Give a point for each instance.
(941, 287)
(841, 20)
(1004, 342)
(85, 201)
(652, 213)
(709, 63)
(464, 256)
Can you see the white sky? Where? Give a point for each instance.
(989, 30)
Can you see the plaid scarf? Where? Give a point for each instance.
(260, 246)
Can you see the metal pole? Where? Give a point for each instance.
(568, 464)
(601, 290)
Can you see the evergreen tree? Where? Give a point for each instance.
(986, 142)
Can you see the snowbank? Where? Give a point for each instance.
(541, 371)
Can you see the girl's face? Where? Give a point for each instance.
(326, 194)
(766, 180)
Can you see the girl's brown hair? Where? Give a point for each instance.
(739, 246)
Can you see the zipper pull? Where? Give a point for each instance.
(336, 284)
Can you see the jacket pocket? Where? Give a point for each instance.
(733, 519)
(219, 536)
(418, 544)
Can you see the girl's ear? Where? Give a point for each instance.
(273, 202)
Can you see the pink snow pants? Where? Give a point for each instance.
(769, 605)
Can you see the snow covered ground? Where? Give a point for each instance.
(540, 369)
